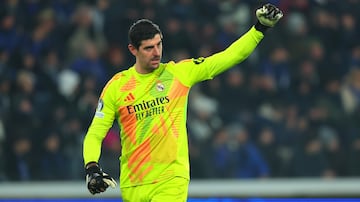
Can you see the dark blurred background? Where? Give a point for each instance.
(291, 110)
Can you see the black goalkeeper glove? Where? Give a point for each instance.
(97, 181)
(268, 15)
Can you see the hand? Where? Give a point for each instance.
(97, 181)
(268, 15)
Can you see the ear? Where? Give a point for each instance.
(132, 49)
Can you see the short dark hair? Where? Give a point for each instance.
(142, 29)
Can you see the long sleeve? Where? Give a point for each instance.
(103, 119)
(192, 71)
(236, 52)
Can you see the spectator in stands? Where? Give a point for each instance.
(353, 166)
(10, 36)
(83, 33)
(247, 162)
(267, 144)
(20, 157)
(333, 150)
(277, 68)
(309, 159)
(89, 63)
(52, 160)
(350, 92)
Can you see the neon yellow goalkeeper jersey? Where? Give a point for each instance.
(151, 111)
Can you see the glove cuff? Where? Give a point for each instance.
(94, 168)
(260, 27)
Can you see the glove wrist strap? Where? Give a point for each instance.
(92, 168)
(260, 27)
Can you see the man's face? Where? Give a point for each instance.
(148, 56)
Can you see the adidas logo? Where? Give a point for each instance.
(129, 97)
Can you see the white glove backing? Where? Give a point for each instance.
(97, 181)
(268, 15)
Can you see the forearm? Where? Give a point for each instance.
(236, 52)
(91, 148)
(94, 138)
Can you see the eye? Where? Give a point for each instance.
(148, 48)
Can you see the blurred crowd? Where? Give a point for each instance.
(292, 109)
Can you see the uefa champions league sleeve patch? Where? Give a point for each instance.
(199, 60)
(99, 108)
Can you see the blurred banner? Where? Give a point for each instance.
(302, 188)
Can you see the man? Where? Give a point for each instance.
(149, 101)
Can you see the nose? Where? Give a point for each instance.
(156, 51)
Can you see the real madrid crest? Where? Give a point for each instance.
(160, 86)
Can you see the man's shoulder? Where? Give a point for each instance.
(174, 64)
(122, 74)
(116, 78)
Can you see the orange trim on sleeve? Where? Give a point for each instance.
(114, 78)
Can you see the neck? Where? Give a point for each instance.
(141, 70)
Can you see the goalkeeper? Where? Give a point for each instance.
(149, 102)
